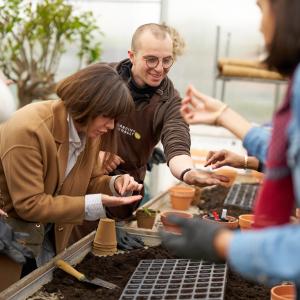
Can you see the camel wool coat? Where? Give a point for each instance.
(34, 146)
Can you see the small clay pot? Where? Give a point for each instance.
(232, 223)
(283, 292)
(181, 196)
(228, 172)
(106, 232)
(145, 218)
(246, 221)
(170, 226)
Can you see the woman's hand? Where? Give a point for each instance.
(111, 201)
(126, 183)
(218, 159)
(198, 108)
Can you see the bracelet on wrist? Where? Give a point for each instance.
(184, 172)
(219, 113)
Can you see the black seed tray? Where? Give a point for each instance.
(176, 279)
(242, 195)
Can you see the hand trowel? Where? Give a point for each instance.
(81, 277)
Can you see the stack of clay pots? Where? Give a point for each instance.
(105, 242)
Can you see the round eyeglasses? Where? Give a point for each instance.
(153, 61)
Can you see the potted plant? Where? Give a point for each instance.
(34, 36)
(145, 217)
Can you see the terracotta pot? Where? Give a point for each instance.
(228, 172)
(144, 219)
(181, 196)
(246, 221)
(283, 292)
(172, 227)
(232, 223)
(106, 232)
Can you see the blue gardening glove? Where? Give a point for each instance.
(9, 245)
(196, 240)
(127, 241)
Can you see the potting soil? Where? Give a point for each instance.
(119, 268)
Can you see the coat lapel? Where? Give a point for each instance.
(61, 136)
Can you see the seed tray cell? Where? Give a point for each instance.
(242, 195)
(176, 279)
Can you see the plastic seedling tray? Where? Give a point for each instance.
(242, 195)
(176, 279)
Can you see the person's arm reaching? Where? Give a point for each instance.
(198, 108)
(182, 168)
(218, 159)
(210, 241)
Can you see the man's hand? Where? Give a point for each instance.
(127, 241)
(9, 243)
(199, 239)
(126, 183)
(112, 164)
(202, 179)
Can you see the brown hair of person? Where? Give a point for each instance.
(284, 50)
(96, 90)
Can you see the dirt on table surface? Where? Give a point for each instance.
(212, 198)
(119, 268)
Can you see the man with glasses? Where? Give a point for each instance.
(156, 116)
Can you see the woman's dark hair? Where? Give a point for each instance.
(284, 51)
(96, 90)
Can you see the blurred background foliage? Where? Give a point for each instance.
(35, 34)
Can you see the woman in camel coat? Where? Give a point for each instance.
(50, 174)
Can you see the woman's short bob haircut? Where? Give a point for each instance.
(284, 51)
(96, 90)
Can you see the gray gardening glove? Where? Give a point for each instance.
(196, 240)
(9, 245)
(127, 241)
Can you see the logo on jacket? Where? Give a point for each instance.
(129, 131)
